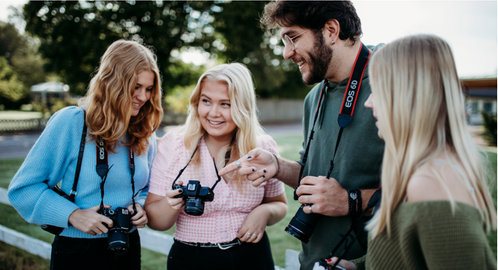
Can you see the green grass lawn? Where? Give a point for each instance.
(288, 147)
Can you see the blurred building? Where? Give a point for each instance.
(48, 91)
(480, 95)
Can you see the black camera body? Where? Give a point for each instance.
(118, 236)
(194, 196)
(303, 225)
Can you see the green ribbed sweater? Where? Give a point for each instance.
(427, 235)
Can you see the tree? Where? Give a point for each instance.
(20, 66)
(74, 35)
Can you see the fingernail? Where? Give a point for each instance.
(329, 259)
(249, 157)
(180, 190)
(253, 170)
(263, 176)
(264, 171)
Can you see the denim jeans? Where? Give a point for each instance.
(92, 253)
(248, 256)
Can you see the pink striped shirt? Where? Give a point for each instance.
(223, 216)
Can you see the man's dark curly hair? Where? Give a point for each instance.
(312, 15)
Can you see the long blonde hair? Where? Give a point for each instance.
(420, 110)
(109, 99)
(243, 109)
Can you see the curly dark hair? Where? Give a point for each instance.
(312, 15)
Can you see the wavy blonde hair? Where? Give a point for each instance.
(243, 109)
(420, 110)
(109, 101)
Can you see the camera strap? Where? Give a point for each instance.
(183, 169)
(351, 96)
(373, 202)
(102, 168)
(348, 105)
(74, 191)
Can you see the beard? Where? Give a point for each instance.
(318, 61)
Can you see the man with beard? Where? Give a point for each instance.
(323, 39)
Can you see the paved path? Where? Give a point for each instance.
(14, 146)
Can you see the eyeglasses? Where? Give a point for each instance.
(288, 40)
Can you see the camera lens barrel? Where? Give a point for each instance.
(117, 238)
(194, 206)
(303, 225)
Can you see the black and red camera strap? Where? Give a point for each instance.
(102, 168)
(348, 105)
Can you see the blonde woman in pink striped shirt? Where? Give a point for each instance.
(222, 126)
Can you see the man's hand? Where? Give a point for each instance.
(328, 197)
(257, 166)
(90, 221)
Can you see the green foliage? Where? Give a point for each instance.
(178, 100)
(20, 66)
(489, 123)
(10, 87)
(74, 35)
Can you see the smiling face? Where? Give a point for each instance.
(311, 54)
(215, 112)
(144, 87)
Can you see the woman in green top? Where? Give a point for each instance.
(436, 206)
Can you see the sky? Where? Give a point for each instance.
(470, 28)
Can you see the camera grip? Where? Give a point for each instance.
(175, 187)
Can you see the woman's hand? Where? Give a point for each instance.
(343, 263)
(258, 166)
(254, 225)
(269, 212)
(90, 221)
(175, 203)
(140, 218)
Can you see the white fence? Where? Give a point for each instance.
(149, 239)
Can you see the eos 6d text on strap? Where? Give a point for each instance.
(351, 96)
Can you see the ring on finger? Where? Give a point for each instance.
(249, 234)
(311, 211)
(238, 164)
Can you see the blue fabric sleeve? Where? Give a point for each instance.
(55, 150)
(151, 154)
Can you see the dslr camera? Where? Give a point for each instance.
(303, 225)
(194, 196)
(118, 236)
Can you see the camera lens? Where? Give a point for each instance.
(118, 240)
(302, 225)
(194, 206)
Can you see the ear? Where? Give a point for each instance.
(332, 28)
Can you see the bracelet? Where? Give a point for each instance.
(278, 166)
(354, 204)
(351, 202)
